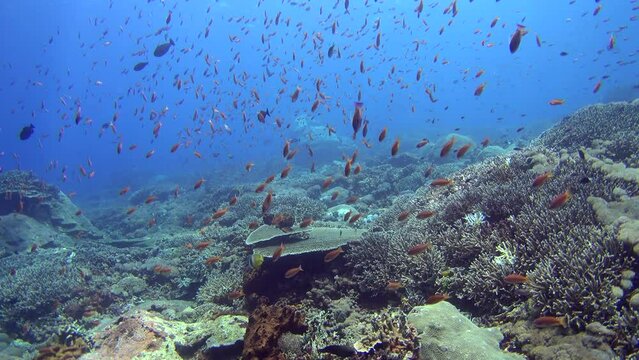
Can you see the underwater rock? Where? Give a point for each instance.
(19, 231)
(143, 334)
(445, 333)
(26, 195)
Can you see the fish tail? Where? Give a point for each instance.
(171, 42)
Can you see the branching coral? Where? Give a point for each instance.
(381, 257)
(613, 128)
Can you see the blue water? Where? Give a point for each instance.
(81, 52)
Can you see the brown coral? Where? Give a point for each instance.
(266, 324)
(68, 351)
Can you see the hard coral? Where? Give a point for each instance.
(266, 324)
(613, 128)
(64, 350)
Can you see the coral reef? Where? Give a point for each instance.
(520, 234)
(555, 344)
(611, 128)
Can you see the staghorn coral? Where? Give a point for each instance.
(214, 294)
(295, 202)
(382, 256)
(520, 235)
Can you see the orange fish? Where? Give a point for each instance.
(278, 252)
(260, 188)
(494, 22)
(541, 179)
(286, 148)
(150, 199)
(480, 89)
(393, 285)
(197, 154)
(485, 142)
(479, 73)
(296, 94)
(447, 146)
(612, 42)
(382, 135)
(269, 179)
(253, 225)
(597, 87)
(334, 195)
(212, 260)
(327, 182)
(395, 147)
(236, 294)
(550, 321)
(175, 147)
(441, 182)
(597, 10)
(403, 215)
(306, 222)
(559, 200)
(162, 269)
(202, 245)
(434, 299)
(248, 166)
(422, 143)
(124, 190)
(285, 172)
(347, 168)
(218, 214)
(419, 248)
(357, 170)
(333, 254)
(266, 204)
(150, 153)
(556, 102)
(425, 214)
(462, 150)
(515, 279)
(131, 210)
(352, 199)
(355, 218)
(292, 272)
(233, 200)
(198, 184)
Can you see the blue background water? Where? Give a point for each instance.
(63, 45)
